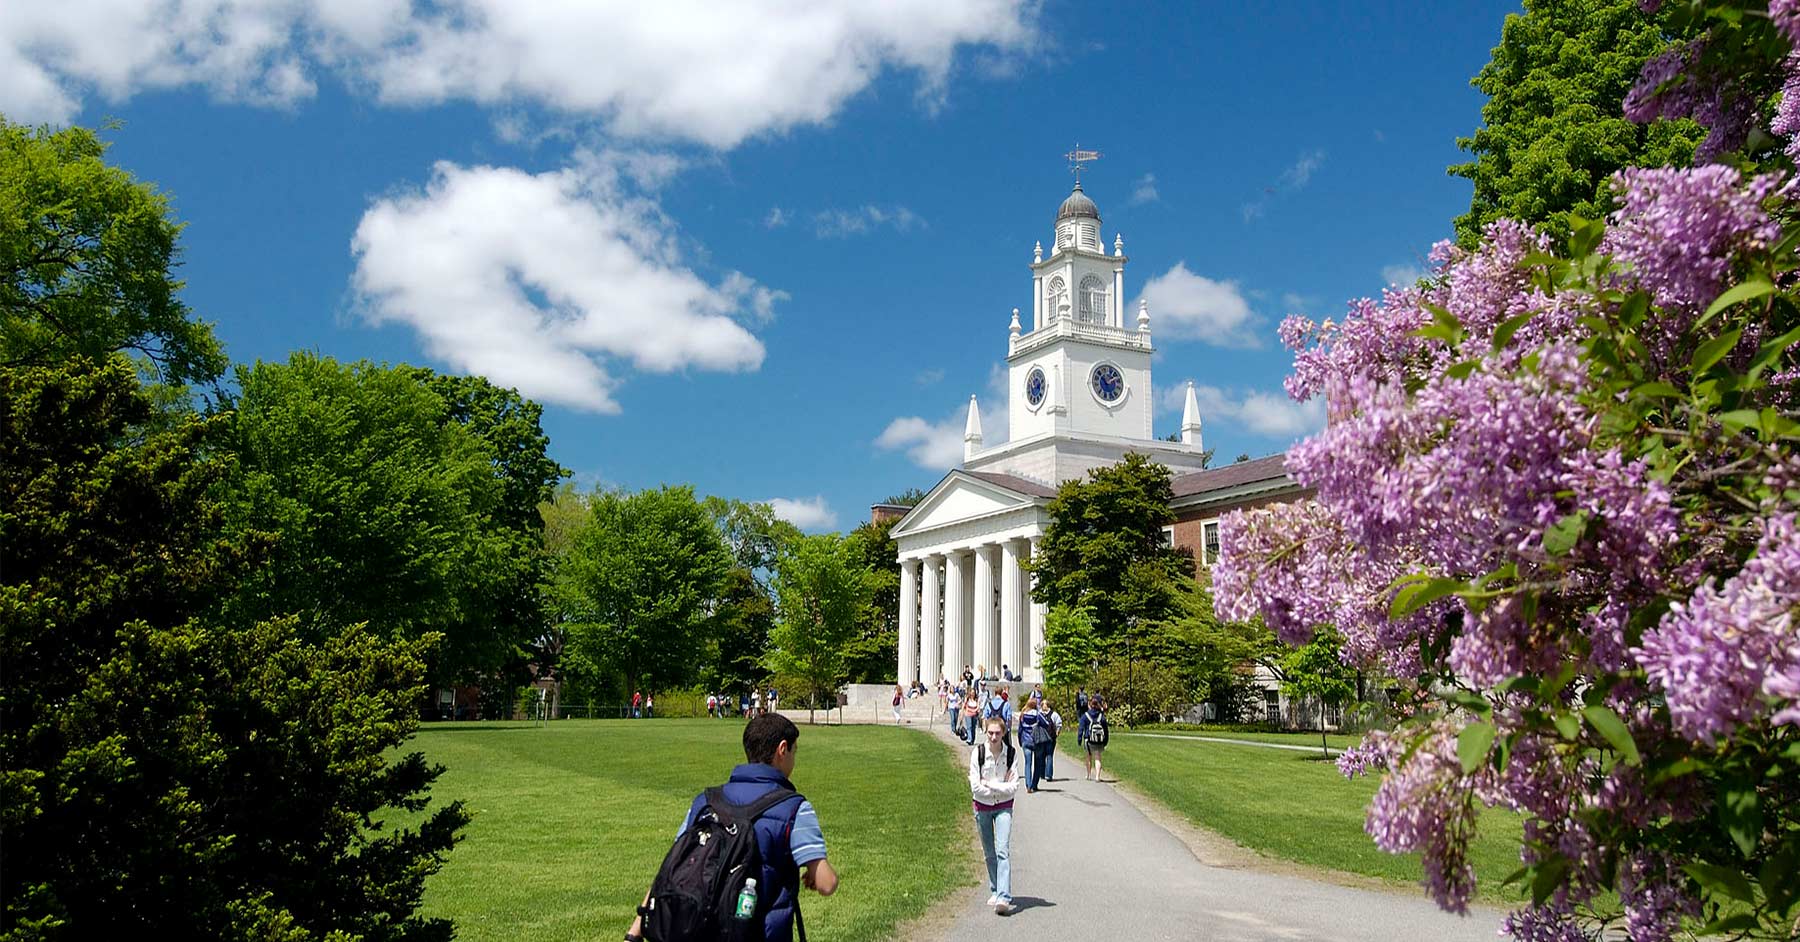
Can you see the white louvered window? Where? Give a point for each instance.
(1093, 300)
(1056, 294)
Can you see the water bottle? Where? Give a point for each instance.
(746, 906)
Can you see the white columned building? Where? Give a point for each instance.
(1079, 397)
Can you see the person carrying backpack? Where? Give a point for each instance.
(1095, 733)
(1034, 735)
(993, 781)
(742, 854)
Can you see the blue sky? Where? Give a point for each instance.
(770, 249)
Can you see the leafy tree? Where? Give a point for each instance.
(754, 534)
(739, 630)
(165, 771)
(644, 579)
(1220, 657)
(1553, 130)
(1104, 549)
(911, 497)
(822, 592)
(1070, 648)
(87, 255)
(1316, 671)
(564, 515)
(869, 657)
(394, 505)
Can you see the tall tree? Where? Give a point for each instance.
(870, 654)
(1553, 130)
(645, 576)
(166, 771)
(1316, 671)
(1070, 652)
(389, 509)
(87, 259)
(1104, 549)
(822, 592)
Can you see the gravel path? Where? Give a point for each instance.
(1088, 866)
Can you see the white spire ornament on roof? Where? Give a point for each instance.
(1190, 419)
(1144, 315)
(972, 431)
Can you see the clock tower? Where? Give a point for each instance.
(1079, 393)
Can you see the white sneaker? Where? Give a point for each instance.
(993, 898)
(1003, 908)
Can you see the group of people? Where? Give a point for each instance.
(642, 707)
(789, 843)
(750, 704)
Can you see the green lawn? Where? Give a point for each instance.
(572, 819)
(1334, 740)
(1290, 805)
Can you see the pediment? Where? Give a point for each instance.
(959, 497)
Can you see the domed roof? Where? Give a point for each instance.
(1077, 204)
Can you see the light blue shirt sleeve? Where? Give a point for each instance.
(807, 842)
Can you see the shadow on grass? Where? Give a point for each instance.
(466, 727)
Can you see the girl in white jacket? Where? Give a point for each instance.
(993, 781)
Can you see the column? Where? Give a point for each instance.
(932, 599)
(909, 621)
(955, 604)
(1009, 605)
(1034, 670)
(987, 634)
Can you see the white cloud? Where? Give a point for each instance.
(777, 218)
(929, 377)
(938, 445)
(1272, 415)
(807, 513)
(1302, 171)
(1186, 306)
(550, 282)
(1402, 274)
(842, 223)
(696, 70)
(1253, 211)
(1144, 190)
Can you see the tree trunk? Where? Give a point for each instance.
(1323, 746)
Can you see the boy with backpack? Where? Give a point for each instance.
(743, 853)
(1095, 733)
(993, 781)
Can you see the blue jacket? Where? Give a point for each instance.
(1031, 727)
(779, 872)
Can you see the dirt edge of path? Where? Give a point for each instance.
(935, 922)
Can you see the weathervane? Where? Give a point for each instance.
(1077, 157)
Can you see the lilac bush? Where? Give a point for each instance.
(1558, 499)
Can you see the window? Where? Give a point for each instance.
(1272, 705)
(1093, 300)
(1209, 538)
(1168, 537)
(1057, 293)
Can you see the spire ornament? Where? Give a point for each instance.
(1079, 157)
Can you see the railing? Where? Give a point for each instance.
(1067, 327)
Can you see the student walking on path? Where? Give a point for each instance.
(1095, 733)
(971, 714)
(1034, 735)
(993, 781)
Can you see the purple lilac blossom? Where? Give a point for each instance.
(1424, 806)
(1717, 654)
(1678, 230)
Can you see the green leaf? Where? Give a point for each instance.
(1770, 352)
(1510, 326)
(1737, 922)
(1525, 682)
(1548, 876)
(1417, 595)
(1716, 879)
(1741, 815)
(1736, 294)
(1472, 745)
(1473, 702)
(1612, 729)
(1562, 535)
(1584, 234)
(1568, 726)
(1461, 370)
(1713, 351)
(1737, 420)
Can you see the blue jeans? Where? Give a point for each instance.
(1050, 760)
(1034, 763)
(970, 737)
(996, 840)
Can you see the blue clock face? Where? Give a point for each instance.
(1034, 387)
(1109, 385)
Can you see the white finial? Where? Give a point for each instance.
(1015, 328)
(1118, 243)
(1144, 314)
(1037, 252)
(1190, 419)
(972, 431)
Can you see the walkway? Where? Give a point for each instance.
(1089, 866)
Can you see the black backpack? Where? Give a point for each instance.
(694, 896)
(981, 755)
(1097, 731)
